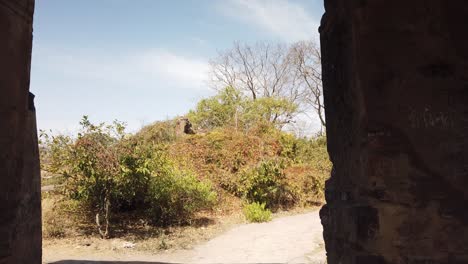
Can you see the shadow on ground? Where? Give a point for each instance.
(105, 262)
(111, 262)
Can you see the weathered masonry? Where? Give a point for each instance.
(396, 92)
(20, 202)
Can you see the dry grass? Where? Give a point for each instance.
(62, 230)
(62, 226)
(58, 216)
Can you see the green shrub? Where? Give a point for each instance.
(266, 184)
(306, 184)
(136, 161)
(90, 164)
(157, 133)
(314, 151)
(55, 151)
(256, 212)
(231, 108)
(175, 195)
(309, 170)
(218, 111)
(110, 172)
(289, 146)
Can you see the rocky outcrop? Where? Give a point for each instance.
(20, 203)
(184, 126)
(396, 96)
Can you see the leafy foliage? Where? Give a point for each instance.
(230, 108)
(157, 133)
(219, 110)
(271, 167)
(109, 171)
(256, 212)
(54, 152)
(175, 197)
(265, 184)
(93, 162)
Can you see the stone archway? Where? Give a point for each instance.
(396, 92)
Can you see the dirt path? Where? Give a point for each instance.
(290, 239)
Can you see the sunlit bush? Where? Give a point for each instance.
(175, 195)
(266, 184)
(110, 172)
(256, 212)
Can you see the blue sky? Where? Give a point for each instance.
(140, 61)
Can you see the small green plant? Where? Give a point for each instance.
(163, 244)
(257, 213)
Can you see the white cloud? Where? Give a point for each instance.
(172, 67)
(148, 67)
(133, 86)
(285, 19)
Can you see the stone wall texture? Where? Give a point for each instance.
(20, 204)
(396, 93)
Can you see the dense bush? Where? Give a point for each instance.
(54, 152)
(310, 169)
(157, 133)
(110, 172)
(174, 198)
(266, 184)
(175, 195)
(231, 108)
(217, 111)
(256, 212)
(305, 184)
(264, 165)
(222, 153)
(93, 164)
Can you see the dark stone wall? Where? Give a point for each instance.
(396, 96)
(20, 218)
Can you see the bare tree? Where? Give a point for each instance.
(261, 70)
(273, 70)
(307, 61)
